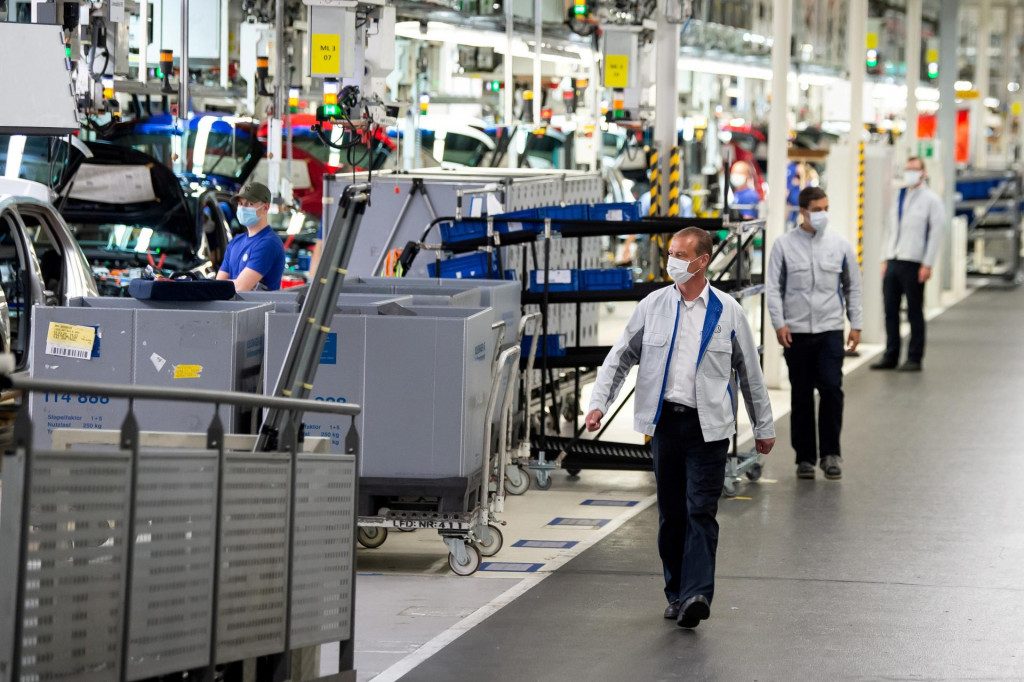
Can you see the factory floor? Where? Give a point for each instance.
(908, 568)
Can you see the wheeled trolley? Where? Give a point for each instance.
(464, 511)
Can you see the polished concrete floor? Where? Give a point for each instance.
(908, 569)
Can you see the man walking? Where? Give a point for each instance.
(911, 248)
(813, 279)
(688, 339)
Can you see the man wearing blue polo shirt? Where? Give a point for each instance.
(256, 257)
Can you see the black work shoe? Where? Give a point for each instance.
(884, 364)
(672, 610)
(830, 465)
(910, 366)
(805, 470)
(693, 611)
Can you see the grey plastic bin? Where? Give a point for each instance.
(205, 344)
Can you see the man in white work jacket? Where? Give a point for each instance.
(813, 279)
(687, 339)
(911, 247)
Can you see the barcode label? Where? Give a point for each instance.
(64, 352)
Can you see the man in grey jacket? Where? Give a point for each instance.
(687, 339)
(911, 247)
(813, 279)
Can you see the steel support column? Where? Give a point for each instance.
(778, 137)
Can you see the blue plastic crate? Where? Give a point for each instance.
(573, 212)
(468, 266)
(616, 212)
(463, 230)
(614, 279)
(561, 280)
(977, 189)
(555, 344)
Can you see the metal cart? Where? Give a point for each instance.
(472, 530)
(147, 561)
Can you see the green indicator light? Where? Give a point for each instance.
(723, 234)
(159, 73)
(872, 59)
(332, 110)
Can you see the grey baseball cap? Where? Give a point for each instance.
(255, 192)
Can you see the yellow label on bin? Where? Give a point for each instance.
(70, 340)
(187, 371)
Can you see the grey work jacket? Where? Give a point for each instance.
(812, 281)
(916, 227)
(726, 344)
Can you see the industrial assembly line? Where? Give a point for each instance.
(379, 340)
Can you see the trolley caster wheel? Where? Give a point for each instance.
(490, 541)
(472, 561)
(517, 481)
(372, 538)
(573, 472)
(543, 480)
(729, 489)
(754, 472)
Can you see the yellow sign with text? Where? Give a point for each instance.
(325, 53)
(616, 71)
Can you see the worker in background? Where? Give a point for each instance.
(256, 258)
(744, 197)
(911, 247)
(687, 338)
(813, 282)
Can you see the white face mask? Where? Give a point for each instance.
(818, 220)
(912, 178)
(679, 270)
(738, 180)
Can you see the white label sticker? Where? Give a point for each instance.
(614, 215)
(70, 340)
(557, 277)
(157, 361)
(515, 227)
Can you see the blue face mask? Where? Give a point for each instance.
(247, 216)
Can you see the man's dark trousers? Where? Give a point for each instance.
(690, 474)
(816, 362)
(901, 280)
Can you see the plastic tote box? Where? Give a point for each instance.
(422, 381)
(205, 344)
(502, 295)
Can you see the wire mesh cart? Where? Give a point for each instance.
(183, 560)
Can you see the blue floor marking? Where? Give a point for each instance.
(547, 544)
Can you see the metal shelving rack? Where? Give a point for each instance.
(734, 277)
(995, 219)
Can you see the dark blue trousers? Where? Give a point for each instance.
(690, 474)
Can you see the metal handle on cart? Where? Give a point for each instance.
(498, 327)
(528, 380)
(507, 359)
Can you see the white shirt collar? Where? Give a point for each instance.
(704, 296)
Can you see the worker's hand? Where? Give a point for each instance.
(785, 337)
(594, 420)
(885, 264)
(853, 341)
(764, 445)
(924, 274)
